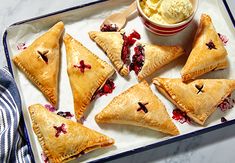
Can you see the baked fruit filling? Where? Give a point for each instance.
(109, 28)
(180, 116)
(137, 59)
(66, 114)
(226, 104)
(128, 42)
(107, 88)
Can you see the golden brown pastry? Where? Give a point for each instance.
(199, 98)
(153, 57)
(87, 73)
(40, 62)
(208, 53)
(111, 43)
(140, 107)
(62, 139)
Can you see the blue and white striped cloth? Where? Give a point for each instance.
(13, 146)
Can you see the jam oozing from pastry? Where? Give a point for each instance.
(45, 158)
(67, 115)
(50, 107)
(109, 28)
(142, 107)
(83, 66)
(223, 119)
(137, 59)
(125, 49)
(107, 88)
(210, 45)
(135, 35)
(82, 120)
(180, 116)
(43, 55)
(223, 38)
(226, 104)
(60, 129)
(21, 46)
(128, 41)
(199, 88)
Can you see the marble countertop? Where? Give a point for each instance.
(216, 146)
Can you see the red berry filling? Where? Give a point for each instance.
(21, 46)
(227, 104)
(135, 34)
(180, 116)
(210, 45)
(83, 66)
(223, 119)
(45, 158)
(50, 107)
(82, 119)
(67, 115)
(223, 38)
(128, 41)
(109, 28)
(137, 59)
(107, 88)
(60, 129)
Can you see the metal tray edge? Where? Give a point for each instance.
(136, 150)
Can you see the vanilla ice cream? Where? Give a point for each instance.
(167, 11)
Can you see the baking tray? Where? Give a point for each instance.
(79, 21)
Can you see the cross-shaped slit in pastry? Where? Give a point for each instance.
(198, 107)
(82, 66)
(199, 88)
(133, 107)
(142, 107)
(43, 55)
(52, 130)
(208, 52)
(40, 62)
(211, 45)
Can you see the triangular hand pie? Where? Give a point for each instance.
(154, 57)
(40, 62)
(112, 44)
(63, 139)
(140, 107)
(208, 52)
(199, 98)
(87, 73)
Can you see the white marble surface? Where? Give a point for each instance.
(217, 146)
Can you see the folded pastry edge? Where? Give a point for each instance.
(142, 76)
(99, 118)
(119, 65)
(80, 111)
(47, 93)
(188, 76)
(164, 90)
(104, 142)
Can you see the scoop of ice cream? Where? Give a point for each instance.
(157, 18)
(175, 11)
(149, 6)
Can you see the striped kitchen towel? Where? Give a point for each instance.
(13, 146)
